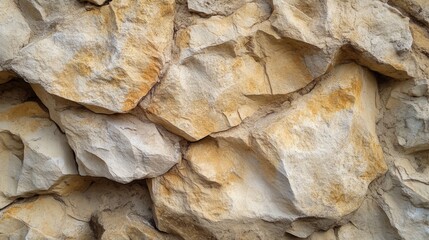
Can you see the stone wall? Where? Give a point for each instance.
(214, 119)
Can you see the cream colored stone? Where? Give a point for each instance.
(14, 31)
(84, 215)
(312, 160)
(119, 147)
(380, 44)
(215, 7)
(216, 90)
(34, 154)
(106, 58)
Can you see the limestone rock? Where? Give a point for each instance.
(215, 7)
(97, 2)
(14, 31)
(107, 58)
(293, 164)
(34, 153)
(119, 147)
(369, 222)
(381, 45)
(416, 8)
(213, 91)
(409, 104)
(77, 216)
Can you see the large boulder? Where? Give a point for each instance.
(106, 58)
(312, 160)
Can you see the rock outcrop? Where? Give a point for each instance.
(214, 119)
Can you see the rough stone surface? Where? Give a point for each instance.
(249, 119)
(84, 215)
(34, 154)
(119, 147)
(281, 172)
(106, 58)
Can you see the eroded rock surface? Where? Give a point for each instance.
(34, 153)
(84, 215)
(106, 58)
(119, 147)
(250, 119)
(287, 166)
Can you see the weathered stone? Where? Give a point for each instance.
(213, 91)
(419, 9)
(409, 105)
(299, 163)
(107, 58)
(77, 216)
(369, 222)
(119, 147)
(14, 31)
(215, 7)
(34, 153)
(382, 45)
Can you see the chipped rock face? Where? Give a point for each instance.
(117, 53)
(35, 155)
(383, 46)
(410, 106)
(232, 77)
(84, 215)
(119, 147)
(286, 162)
(214, 119)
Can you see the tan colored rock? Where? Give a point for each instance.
(215, 7)
(84, 215)
(14, 31)
(312, 160)
(107, 58)
(416, 8)
(34, 154)
(119, 147)
(369, 222)
(380, 44)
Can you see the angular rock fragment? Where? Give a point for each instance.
(408, 107)
(119, 147)
(380, 44)
(14, 31)
(84, 215)
(215, 7)
(34, 154)
(106, 58)
(218, 88)
(312, 160)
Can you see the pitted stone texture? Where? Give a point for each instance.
(105, 58)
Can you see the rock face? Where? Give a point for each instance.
(84, 215)
(119, 147)
(294, 161)
(115, 56)
(214, 119)
(34, 154)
